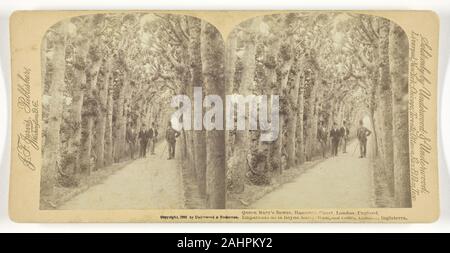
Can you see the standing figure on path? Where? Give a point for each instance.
(143, 138)
(171, 138)
(344, 133)
(150, 139)
(362, 134)
(131, 140)
(335, 135)
(322, 138)
(153, 140)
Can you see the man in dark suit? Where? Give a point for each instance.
(150, 139)
(143, 138)
(335, 135)
(322, 138)
(153, 135)
(344, 133)
(362, 135)
(130, 138)
(171, 138)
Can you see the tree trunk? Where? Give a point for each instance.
(230, 74)
(78, 89)
(374, 108)
(109, 159)
(212, 53)
(195, 61)
(102, 116)
(271, 87)
(89, 112)
(292, 118)
(398, 52)
(242, 143)
(51, 154)
(300, 140)
(230, 67)
(310, 121)
(287, 60)
(120, 122)
(128, 91)
(317, 107)
(183, 148)
(386, 98)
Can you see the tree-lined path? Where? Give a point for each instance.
(147, 183)
(328, 69)
(109, 77)
(344, 181)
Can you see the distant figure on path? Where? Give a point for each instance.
(322, 138)
(153, 138)
(335, 135)
(143, 138)
(131, 140)
(150, 139)
(171, 138)
(344, 133)
(362, 134)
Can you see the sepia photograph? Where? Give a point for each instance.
(107, 138)
(339, 125)
(343, 142)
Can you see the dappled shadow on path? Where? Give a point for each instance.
(344, 181)
(146, 183)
